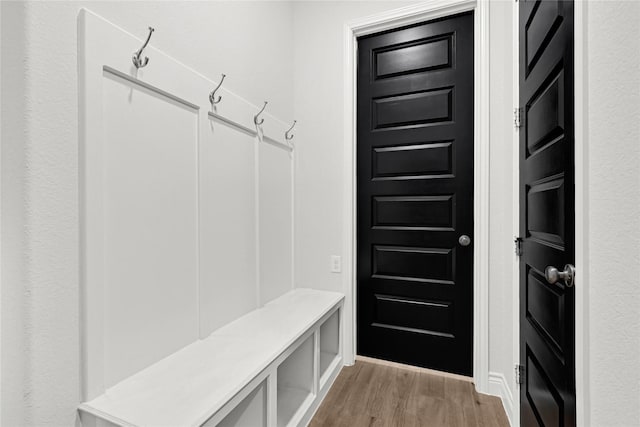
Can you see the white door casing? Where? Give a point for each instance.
(395, 19)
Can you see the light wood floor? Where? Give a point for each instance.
(374, 394)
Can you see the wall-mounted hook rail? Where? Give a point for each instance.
(212, 95)
(139, 63)
(288, 135)
(255, 118)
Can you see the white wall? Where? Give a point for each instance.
(16, 325)
(1, 233)
(318, 105)
(502, 287)
(40, 251)
(613, 57)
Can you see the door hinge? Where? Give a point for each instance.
(518, 246)
(519, 374)
(517, 117)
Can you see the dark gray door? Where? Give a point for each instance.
(547, 329)
(415, 195)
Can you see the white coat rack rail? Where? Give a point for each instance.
(268, 133)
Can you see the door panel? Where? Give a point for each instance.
(429, 106)
(414, 212)
(415, 194)
(547, 329)
(419, 161)
(413, 57)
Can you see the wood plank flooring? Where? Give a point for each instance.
(374, 394)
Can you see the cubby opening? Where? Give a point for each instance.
(329, 344)
(295, 383)
(250, 412)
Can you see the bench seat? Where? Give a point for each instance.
(190, 386)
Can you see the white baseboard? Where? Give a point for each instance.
(498, 387)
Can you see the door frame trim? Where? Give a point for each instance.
(396, 18)
(581, 162)
(515, 197)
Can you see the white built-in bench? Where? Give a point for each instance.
(271, 367)
(187, 226)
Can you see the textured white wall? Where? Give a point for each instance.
(501, 203)
(318, 104)
(16, 255)
(613, 56)
(249, 41)
(1, 268)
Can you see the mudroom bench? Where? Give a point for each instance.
(271, 367)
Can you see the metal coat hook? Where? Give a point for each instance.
(287, 134)
(212, 95)
(255, 118)
(139, 63)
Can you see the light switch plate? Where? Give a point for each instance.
(336, 264)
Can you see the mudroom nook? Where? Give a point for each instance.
(290, 213)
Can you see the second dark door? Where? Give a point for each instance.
(415, 195)
(547, 214)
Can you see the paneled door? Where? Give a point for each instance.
(547, 206)
(415, 195)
